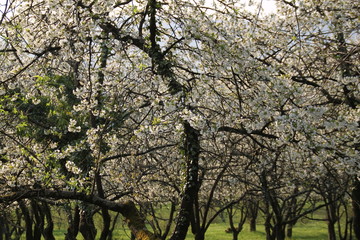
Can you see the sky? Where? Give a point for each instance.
(268, 6)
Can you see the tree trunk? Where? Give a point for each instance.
(235, 230)
(289, 230)
(268, 227)
(2, 226)
(279, 231)
(200, 235)
(73, 228)
(292, 213)
(17, 230)
(106, 224)
(170, 220)
(252, 224)
(39, 220)
(28, 221)
(332, 219)
(235, 235)
(113, 226)
(331, 231)
(49, 229)
(252, 213)
(356, 208)
(105, 213)
(192, 151)
(87, 226)
(136, 223)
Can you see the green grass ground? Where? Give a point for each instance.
(309, 230)
(305, 229)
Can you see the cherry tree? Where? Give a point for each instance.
(114, 102)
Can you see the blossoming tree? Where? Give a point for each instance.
(107, 103)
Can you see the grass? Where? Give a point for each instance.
(303, 230)
(217, 231)
(308, 230)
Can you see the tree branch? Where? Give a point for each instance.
(245, 132)
(137, 154)
(128, 209)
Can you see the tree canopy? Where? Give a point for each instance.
(193, 103)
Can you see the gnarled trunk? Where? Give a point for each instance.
(87, 226)
(136, 223)
(192, 151)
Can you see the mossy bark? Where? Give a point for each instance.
(136, 222)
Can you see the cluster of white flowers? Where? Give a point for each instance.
(93, 136)
(71, 167)
(72, 126)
